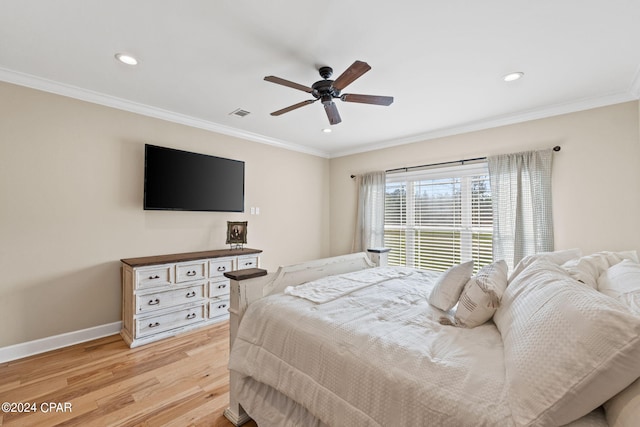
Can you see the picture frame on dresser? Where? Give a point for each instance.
(236, 234)
(165, 295)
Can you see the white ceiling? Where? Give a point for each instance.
(443, 62)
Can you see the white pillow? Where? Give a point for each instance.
(622, 282)
(481, 295)
(567, 348)
(557, 257)
(589, 268)
(623, 410)
(448, 287)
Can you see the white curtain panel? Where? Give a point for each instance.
(370, 220)
(521, 197)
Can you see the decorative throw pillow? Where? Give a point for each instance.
(589, 268)
(481, 296)
(622, 282)
(556, 257)
(567, 348)
(448, 287)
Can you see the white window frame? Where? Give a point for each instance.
(466, 230)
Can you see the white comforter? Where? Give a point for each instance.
(374, 354)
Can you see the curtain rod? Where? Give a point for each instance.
(463, 161)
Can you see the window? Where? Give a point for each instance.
(438, 217)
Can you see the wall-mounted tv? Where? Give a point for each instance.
(185, 181)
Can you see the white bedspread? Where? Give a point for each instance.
(331, 287)
(374, 355)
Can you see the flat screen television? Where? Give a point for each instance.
(184, 181)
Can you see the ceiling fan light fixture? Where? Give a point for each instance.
(326, 99)
(512, 77)
(126, 59)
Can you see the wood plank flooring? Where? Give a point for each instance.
(180, 381)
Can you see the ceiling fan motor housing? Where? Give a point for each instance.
(324, 90)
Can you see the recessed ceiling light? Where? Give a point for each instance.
(511, 77)
(126, 59)
(326, 130)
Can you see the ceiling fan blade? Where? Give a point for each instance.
(278, 80)
(293, 107)
(356, 69)
(367, 99)
(332, 112)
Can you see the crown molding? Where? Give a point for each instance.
(46, 85)
(504, 120)
(75, 92)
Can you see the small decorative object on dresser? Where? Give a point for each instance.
(168, 294)
(236, 234)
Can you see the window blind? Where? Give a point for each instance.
(436, 218)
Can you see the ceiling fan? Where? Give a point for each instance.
(326, 90)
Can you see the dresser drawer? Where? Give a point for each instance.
(158, 300)
(164, 322)
(218, 267)
(218, 307)
(247, 262)
(219, 288)
(191, 271)
(154, 276)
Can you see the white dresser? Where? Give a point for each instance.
(168, 294)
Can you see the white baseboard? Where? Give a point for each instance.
(29, 348)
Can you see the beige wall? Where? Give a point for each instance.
(596, 176)
(71, 198)
(71, 182)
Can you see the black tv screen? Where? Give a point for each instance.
(185, 181)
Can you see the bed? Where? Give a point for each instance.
(345, 341)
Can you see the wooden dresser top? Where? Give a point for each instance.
(188, 256)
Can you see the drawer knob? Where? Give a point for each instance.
(221, 306)
(248, 263)
(191, 294)
(191, 316)
(191, 273)
(153, 325)
(222, 286)
(154, 301)
(154, 277)
(222, 268)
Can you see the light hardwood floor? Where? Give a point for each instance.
(180, 381)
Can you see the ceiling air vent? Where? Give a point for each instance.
(239, 112)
